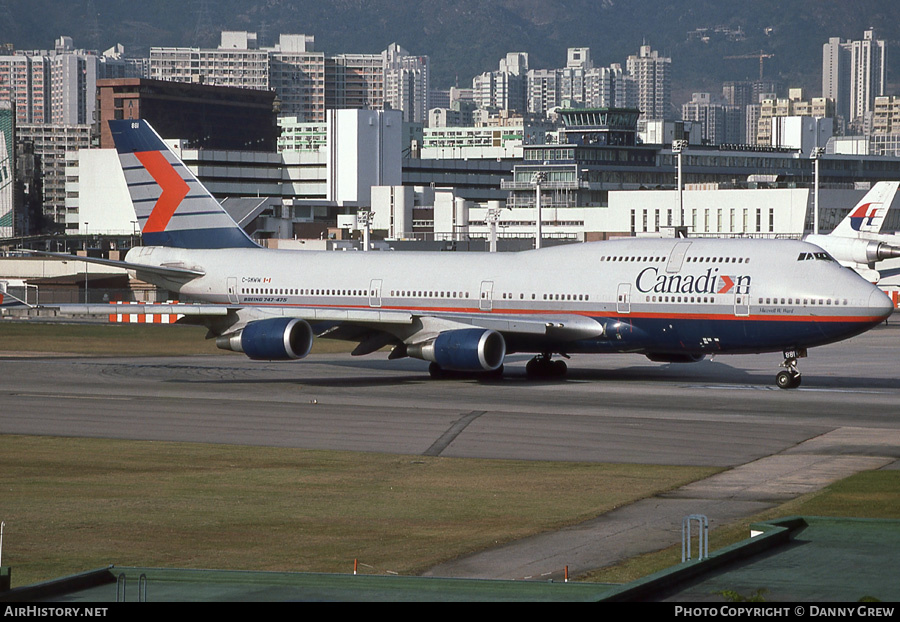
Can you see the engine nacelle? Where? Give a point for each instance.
(276, 339)
(855, 250)
(466, 349)
(666, 357)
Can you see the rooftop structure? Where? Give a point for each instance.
(213, 117)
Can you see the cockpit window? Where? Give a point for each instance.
(820, 256)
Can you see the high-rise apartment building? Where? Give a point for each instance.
(297, 75)
(610, 87)
(25, 83)
(306, 82)
(506, 88)
(73, 88)
(710, 112)
(407, 83)
(51, 86)
(580, 84)
(236, 62)
(653, 74)
(55, 144)
(853, 75)
(291, 68)
(354, 81)
(818, 113)
(836, 76)
(868, 67)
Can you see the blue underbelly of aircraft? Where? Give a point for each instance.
(710, 335)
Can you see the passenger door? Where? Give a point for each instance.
(623, 299)
(375, 293)
(486, 299)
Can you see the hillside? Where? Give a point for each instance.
(466, 37)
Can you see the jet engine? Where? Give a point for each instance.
(465, 349)
(276, 339)
(855, 250)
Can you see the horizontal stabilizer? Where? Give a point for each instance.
(179, 274)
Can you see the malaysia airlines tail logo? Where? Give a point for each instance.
(864, 216)
(173, 187)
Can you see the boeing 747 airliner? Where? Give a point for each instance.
(669, 299)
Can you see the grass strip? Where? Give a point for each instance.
(20, 336)
(73, 504)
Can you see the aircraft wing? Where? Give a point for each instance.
(369, 326)
(567, 327)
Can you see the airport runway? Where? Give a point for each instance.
(621, 408)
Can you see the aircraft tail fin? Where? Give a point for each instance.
(172, 206)
(868, 215)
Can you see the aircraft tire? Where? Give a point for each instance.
(787, 380)
(559, 368)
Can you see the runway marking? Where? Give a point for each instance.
(750, 387)
(450, 435)
(125, 398)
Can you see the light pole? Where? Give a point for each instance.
(86, 263)
(537, 179)
(364, 221)
(493, 216)
(677, 147)
(816, 155)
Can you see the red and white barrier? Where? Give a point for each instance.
(145, 318)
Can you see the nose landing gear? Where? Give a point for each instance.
(790, 377)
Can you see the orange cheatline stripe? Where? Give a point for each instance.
(174, 189)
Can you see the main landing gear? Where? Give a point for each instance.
(542, 367)
(790, 377)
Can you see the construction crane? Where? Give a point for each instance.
(760, 55)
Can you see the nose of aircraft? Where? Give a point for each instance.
(880, 304)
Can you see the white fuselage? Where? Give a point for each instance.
(720, 285)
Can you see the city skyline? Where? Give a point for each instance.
(709, 42)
